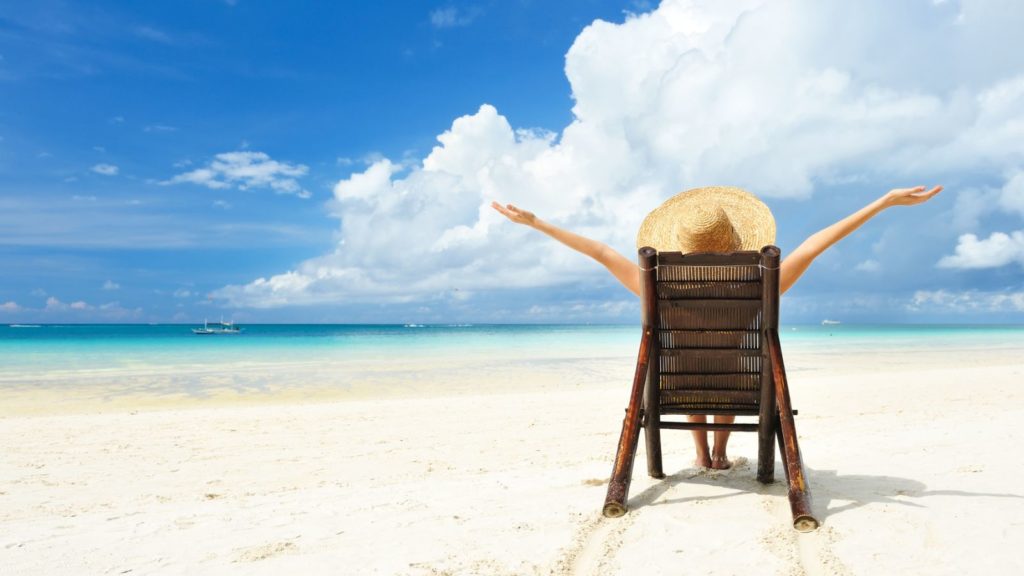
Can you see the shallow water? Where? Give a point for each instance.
(111, 345)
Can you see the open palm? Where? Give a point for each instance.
(911, 196)
(515, 214)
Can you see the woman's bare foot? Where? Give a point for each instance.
(703, 461)
(720, 462)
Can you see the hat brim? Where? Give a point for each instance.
(750, 217)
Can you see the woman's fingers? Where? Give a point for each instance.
(920, 194)
(504, 211)
(915, 195)
(513, 213)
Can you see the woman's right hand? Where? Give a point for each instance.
(515, 214)
(909, 196)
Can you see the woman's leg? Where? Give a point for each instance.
(700, 441)
(719, 460)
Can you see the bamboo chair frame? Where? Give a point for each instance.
(698, 299)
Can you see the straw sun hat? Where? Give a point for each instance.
(710, 219)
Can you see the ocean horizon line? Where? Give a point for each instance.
(455, 324)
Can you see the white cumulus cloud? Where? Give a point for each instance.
(247, 170)
(778, 97)
(997, 250)
(9, 306)
(1011, 197)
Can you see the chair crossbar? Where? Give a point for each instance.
(743, 427)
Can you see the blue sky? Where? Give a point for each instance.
(332, 163)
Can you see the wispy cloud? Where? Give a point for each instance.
(159, 128)
(452, 17)
(105, 169)
(9, 306)
(247, 170)
(117, 224)
(150, 33)
(82, 310)
(111, 285)
(869, 265)
(966, 301)
(55, 305)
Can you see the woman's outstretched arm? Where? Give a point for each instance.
(621, 267)
(798, 260)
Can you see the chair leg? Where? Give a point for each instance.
(622, 470)
(767, 425)
(766, 451)
(782, 448)
(652, 430)
(799, 495)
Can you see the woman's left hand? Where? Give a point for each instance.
(910, 196)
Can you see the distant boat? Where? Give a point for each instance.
(221, 327)
(829, 322)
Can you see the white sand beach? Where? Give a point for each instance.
(912, 461)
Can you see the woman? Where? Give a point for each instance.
(716, 219)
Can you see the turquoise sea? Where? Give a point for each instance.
(41, 347)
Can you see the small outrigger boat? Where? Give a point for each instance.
(221, 327)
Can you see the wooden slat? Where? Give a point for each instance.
(747, 258)
(723, 304)
(708, 273)
(709, 361)
(710, 382)
(708, 410)
(711, 290)
(708, 426)
(704, 339)
(683, 411)
(710, 314)
(710, 397)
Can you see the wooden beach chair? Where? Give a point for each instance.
(710, 345)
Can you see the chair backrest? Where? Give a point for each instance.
(708, 314)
